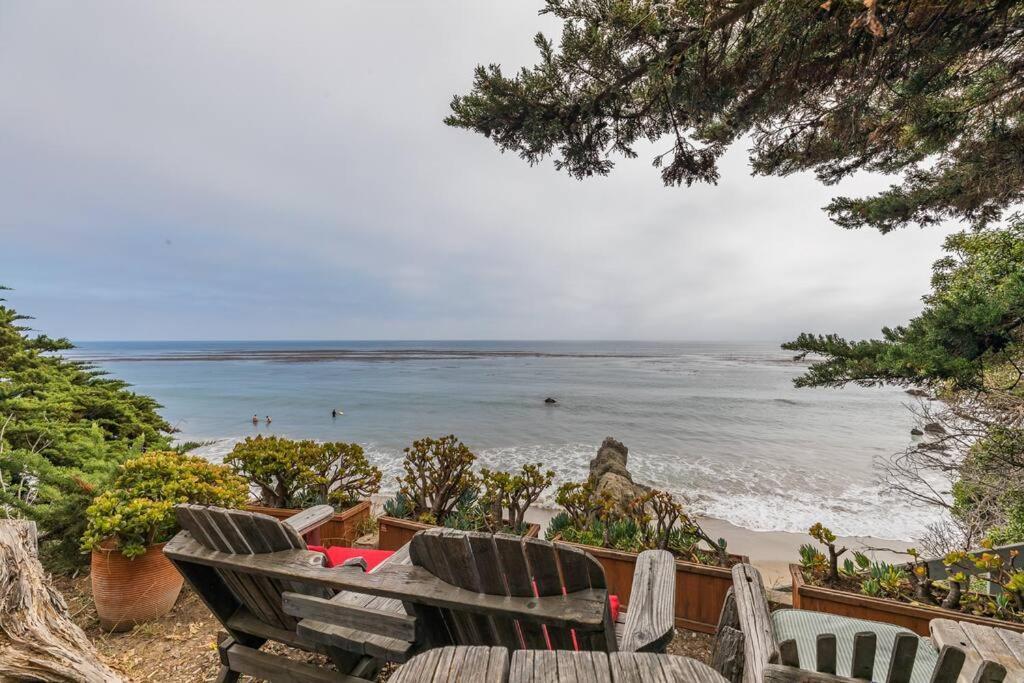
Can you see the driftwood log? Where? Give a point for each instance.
(38, 640)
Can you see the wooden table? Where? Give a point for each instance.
(982, 643)
(481, 664)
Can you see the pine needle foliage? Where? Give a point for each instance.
(932, 90)
(64, 429)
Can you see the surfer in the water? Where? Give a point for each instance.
(255, 419)
(268, 419)
(334, 412)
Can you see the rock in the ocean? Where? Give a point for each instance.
(550, 400)
(916, 432)
(608, 473)
(918, 392)
(934, 428)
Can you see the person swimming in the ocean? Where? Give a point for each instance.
(334, 412)
(268, 419)
(255, 419)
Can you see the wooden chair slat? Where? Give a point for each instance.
(462, 569)
(864, 645)
(278, 536)
(577, 567)
(265, 592)
(826, 653)
(428, 553)
(951, 661)
(517, 578)
(1014, 643)
(650, 619)
(989, 645)
(759, 645)
(788, 653)
(901, 664)
(990, 672)
(248, 592)
(491, 581)
(540, 556)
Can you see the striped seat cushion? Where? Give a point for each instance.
(804, 627)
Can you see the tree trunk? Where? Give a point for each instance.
(38, 640)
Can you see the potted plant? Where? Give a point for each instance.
(439, 488)
(615, 534)
(290, 475)
(128, 525)
(904, 594)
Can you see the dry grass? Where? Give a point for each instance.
(182, 646)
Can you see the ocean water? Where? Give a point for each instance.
(719, 424)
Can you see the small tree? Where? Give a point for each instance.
(341, 475)
(514, 492)
(824, 535)
(272, 464)
(577, 499)
(437, 473)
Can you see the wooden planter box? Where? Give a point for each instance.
(700, 588)
(394, 532)
(914, 617)
(341, 530)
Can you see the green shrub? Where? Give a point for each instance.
(437, 473)
(295, 474)
(513, 492)
(653, 520)
(138, 509)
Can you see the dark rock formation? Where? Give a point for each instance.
(918, 392)
(550, 400)
(934, 428)
(608, 473)
(916, 432)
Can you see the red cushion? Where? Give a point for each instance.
(613, 602)
(336, 556)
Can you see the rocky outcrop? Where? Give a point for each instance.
(608, 473)
(916, 432)
(934, 428)
(550, 400)
(920, 393)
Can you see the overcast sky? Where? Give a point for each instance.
(246, 170)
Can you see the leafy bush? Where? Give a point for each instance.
(437, 473)
(138, 510)
(514, 492)
(963, 588)
(293, 474)
(438, 487)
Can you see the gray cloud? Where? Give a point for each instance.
(254, 170)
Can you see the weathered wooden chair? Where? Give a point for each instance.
(755, 645)
(448, 588)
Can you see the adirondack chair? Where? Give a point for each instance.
(788, 645)
(449, 588)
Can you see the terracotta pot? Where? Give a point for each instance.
(129, 592)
